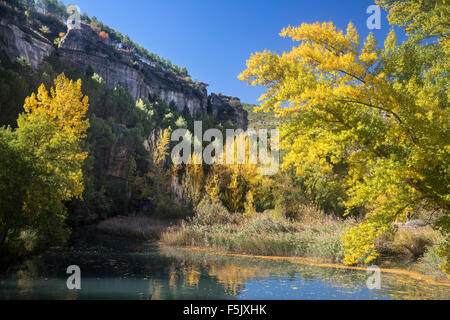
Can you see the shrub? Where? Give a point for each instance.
(430, 263)
(266, 223)
(169, 210)
(44, 29)
(142, 228)
(57, 42)
(23, 243)
(211, 212)
(414, 241)
(104, 36)
(327, 245)
(310, 214)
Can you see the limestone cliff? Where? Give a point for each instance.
(24, 43)
(117, 66)
(226, 108)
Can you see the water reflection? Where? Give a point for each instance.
(155, 272)
(254, 278)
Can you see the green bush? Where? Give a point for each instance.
(430, 263)
(211, 212)
(167, 209)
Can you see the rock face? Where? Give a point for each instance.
(117, 160)
(19, 44)
(142, 78)
(117, 66)
(84, 48)
(226, 108)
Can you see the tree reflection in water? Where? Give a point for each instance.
(160, 272)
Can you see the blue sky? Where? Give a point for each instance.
(214, 38)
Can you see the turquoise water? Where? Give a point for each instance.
(158, 272)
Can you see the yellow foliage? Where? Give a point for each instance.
(381, 112)
(64, 103)
(194, 179)
(232, 182)
(50, 136)
(213, 187)
(249, 205)
(160, 173)
(161, 148)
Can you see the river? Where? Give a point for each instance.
(151, 271)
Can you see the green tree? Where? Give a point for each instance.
(13, 90)
(49, 140)
(15, 173)
(53, 7)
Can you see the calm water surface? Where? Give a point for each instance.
(158, 272)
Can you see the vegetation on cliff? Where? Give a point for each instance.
(49, 16)
(121, 174)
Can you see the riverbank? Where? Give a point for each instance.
(106, 251)
(118, 233)
(265, 234)
(138, 227)
(316, 242)
(115, 267)
(316, 263)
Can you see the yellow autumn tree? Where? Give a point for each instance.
(194, 180)
(232, 181)
(50, 138)
(159, 172)
(381, 111)
(249, 205)
(64, 104)
(213, 187)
